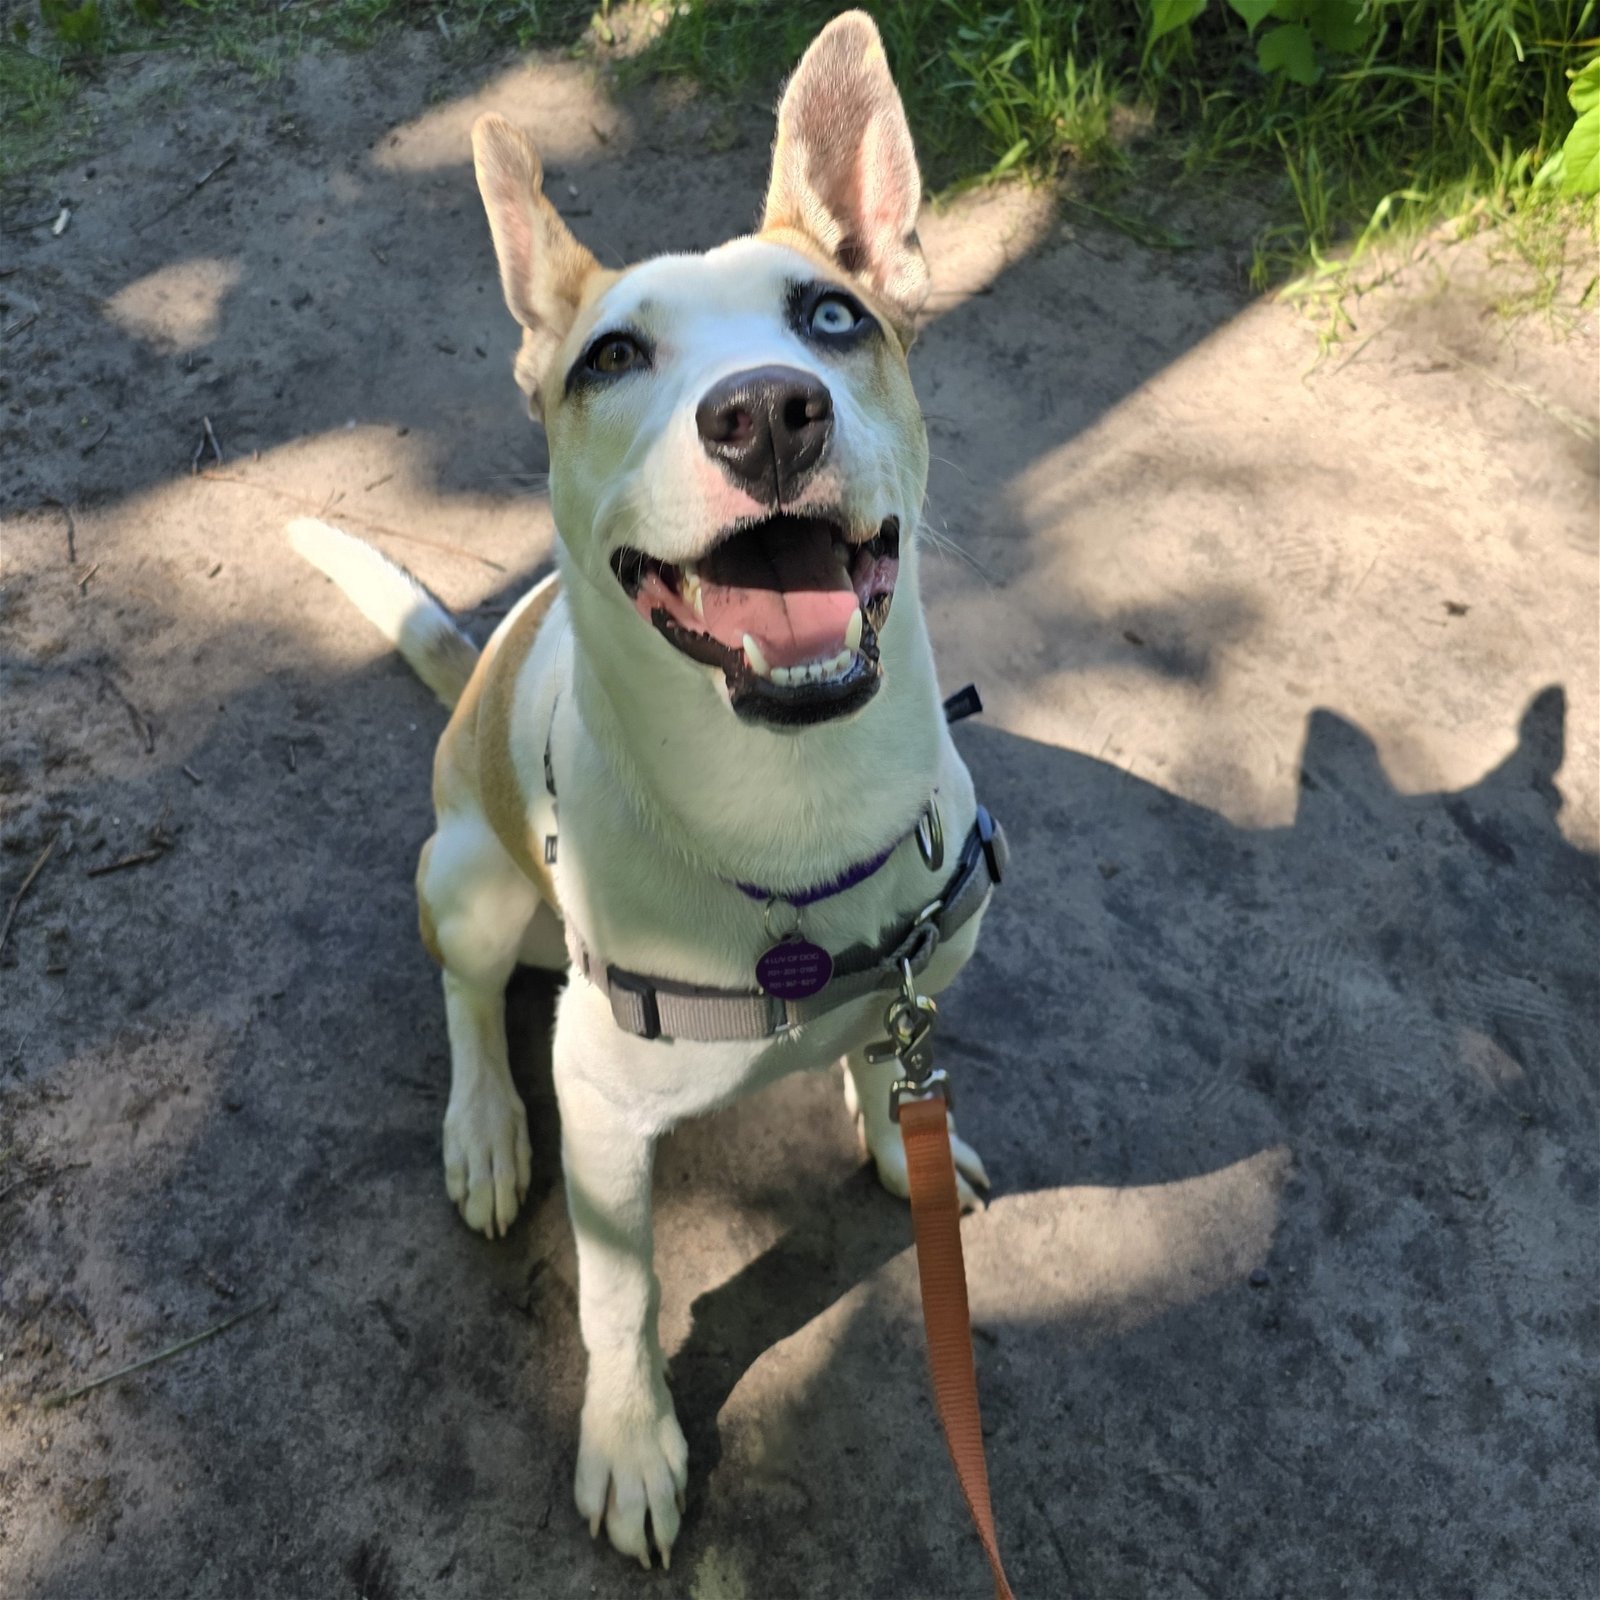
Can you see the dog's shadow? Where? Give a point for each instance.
(1159, 994)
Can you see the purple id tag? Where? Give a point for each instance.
(794, 969)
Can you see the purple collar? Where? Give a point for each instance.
(847, 879)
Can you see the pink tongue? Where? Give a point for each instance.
(782, 584)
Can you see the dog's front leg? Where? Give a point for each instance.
(866, 1095)
(631, 1456)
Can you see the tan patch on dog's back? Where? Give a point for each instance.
(473, 766)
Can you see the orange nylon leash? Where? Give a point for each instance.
(936, 1221)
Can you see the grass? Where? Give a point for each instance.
(36, 100)
(1445, 108)
(1413, 112)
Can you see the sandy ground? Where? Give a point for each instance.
(1281, 1047)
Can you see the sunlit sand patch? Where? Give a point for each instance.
(1100, 1260)
(555, 102)
(1118, 1257)
(179, 307)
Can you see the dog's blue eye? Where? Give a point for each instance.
(615, 352)
(833, 314)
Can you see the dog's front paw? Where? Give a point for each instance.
(881, 1140)
(487, 1157)
(632, 1459)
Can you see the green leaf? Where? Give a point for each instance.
(1010, 158)
(1580, 155)
(1254, 12)
(1167, 15)
(1585, 91)
(1340, 24)
(1003, 61)
(1288, 49)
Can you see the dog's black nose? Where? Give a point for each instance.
(768, 427)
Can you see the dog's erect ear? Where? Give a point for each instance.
(844, 172)
(542, 267)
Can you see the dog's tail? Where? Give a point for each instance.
(416, 624)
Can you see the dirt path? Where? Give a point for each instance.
(1281, 1047)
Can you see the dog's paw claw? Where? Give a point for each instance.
(632, 1467)
(487, 1159)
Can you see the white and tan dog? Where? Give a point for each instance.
(730, 688)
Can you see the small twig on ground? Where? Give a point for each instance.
(27, 884)
(98, 440)
(193, 776)
(72, 526)
(377, 483)
(141, 723)
(376, 527)
(1580, 425)
(294, 766)
(51, 1402)
(215, 570)
(208, 440)
(38, 222)
(193, 189)
(83, 582)
(139, 858)
(21, 325)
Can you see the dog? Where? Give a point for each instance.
(705, 765)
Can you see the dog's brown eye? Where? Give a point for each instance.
(616, 352)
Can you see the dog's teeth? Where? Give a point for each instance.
(693, 589)
(852, 634)
(758, 662)
(782, 676)
(841, 663)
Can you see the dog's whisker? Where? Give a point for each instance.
(955, 466)
(944, 543)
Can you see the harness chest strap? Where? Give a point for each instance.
(661, 1008)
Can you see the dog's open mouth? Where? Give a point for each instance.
(789, 607)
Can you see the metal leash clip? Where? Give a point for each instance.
(909, 1024)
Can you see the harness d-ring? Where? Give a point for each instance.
(929, 833)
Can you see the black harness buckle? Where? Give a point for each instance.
(991, 855)
(963, 703)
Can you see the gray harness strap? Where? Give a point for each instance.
(659, 1008)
